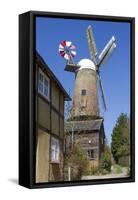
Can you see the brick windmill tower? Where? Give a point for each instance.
(85, 125)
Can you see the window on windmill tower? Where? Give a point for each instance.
(83, 92)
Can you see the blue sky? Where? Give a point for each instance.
(115, 73)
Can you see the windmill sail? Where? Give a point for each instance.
(101, 91)
(91, 44)
(107, 51)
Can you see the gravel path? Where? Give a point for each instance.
(112, 175)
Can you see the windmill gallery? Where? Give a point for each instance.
(84, 125)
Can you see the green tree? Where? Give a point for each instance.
(105, 162)
(120, 145)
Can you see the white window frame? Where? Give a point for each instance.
(55, 150)
(45, 77)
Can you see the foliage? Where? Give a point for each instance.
(120, 145)
(67, 110)
(94, 171)
(105, 162)
(117, 169)
(124, 161)
(77, 161)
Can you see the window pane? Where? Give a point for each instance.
(40, 83)
(45, 91)
(52, 155)
(91, 153)
(46, 82)
(54, 150)
(40, 87)
(46, 87)
(40, 77)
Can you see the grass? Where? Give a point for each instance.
(117, 169)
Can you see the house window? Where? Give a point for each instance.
(43, 84)
(83, 92)
(55, 150)
(91, 154)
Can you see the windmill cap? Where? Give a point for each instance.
(86, 64)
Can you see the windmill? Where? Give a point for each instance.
(87, 75)
(67, 50)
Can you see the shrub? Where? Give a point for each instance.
(94, 170)
(117, 169)
(105, 162)
(78, 163)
